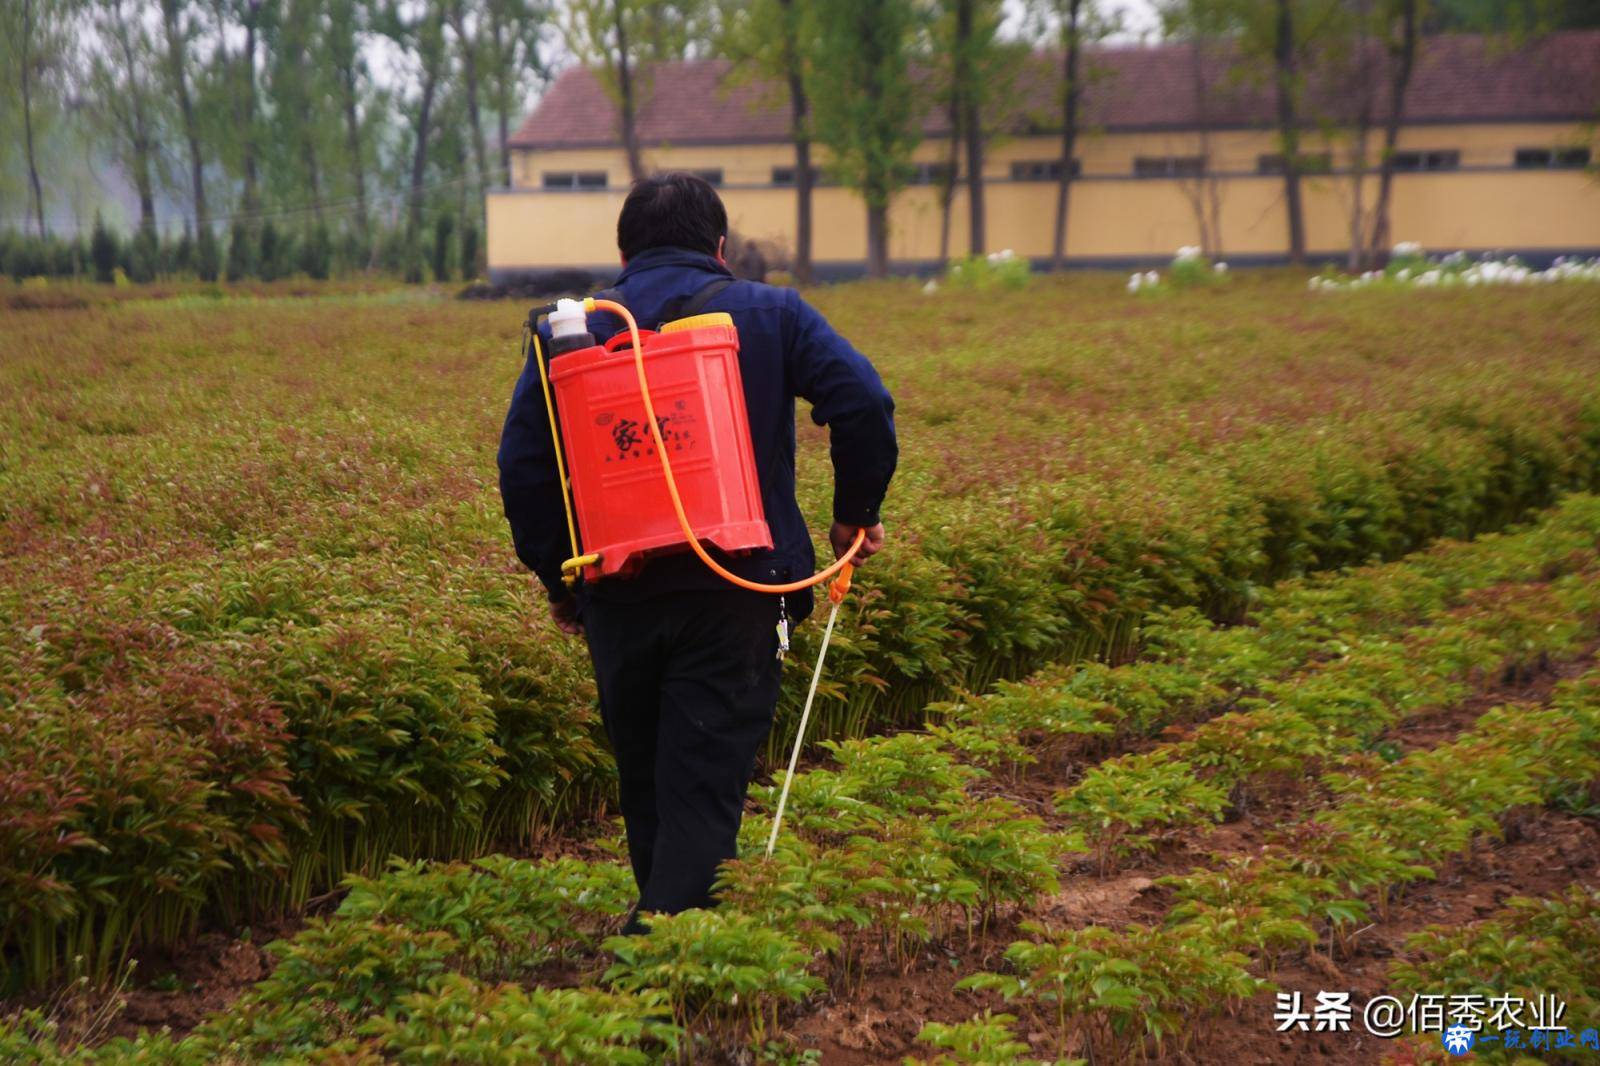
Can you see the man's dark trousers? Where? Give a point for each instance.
(688, 682)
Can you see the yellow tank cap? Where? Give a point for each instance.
(710, 318)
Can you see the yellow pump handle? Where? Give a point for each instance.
(844, 566)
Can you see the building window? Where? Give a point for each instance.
(1552, 158)
(713, 176)
(931, 173)
(786, 175)
(1435, 160)
(1168, 166)
(574, 179)
(1042, 169)
(1310, 163)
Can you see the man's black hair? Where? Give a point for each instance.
(672, 210)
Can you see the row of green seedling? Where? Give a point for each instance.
(1532, 951)
(1120, 991)
(1333, 708)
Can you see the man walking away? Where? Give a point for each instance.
(687, 664)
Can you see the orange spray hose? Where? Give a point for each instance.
(844, 567)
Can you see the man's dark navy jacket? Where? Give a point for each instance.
(786, 349)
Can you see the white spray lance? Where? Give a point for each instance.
(836, 594)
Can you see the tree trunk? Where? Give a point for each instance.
(1206, 198)
(177, 59)
(140, 136)
(800, 132)
(419, 157)
(502, 79)
(1362, 77)
(352, 136)
(469, 70)
(313, 176)
(878, 241)
(1289, 129)
(26, 45)
(947, 184)
(630, 135)
(1355, 258)
(802, 190)
(972, 128)
(1405, 56)
(979, 239)
(1069, 130)
(247, 118)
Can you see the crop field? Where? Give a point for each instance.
(1228, 643)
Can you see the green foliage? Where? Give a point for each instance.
(441, 259)
(508, 916)
(1192, 269)
(271, 253)
(1116, 989)
(1118, 800)
(469, 250)
(242, 261)
(723, 974)
(103, 251)
(327, 981)
(1531, 948)
(316, 253)
(144, 257)
(207, 255)
(865, 102)
(457, 1020)
(987, 1039)
(998, 270)
(1272, 740)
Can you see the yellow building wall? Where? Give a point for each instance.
(1114, 217)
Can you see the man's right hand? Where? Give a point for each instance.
(564, 612)
(842, 536)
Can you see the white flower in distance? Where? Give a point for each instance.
(1406, 249)
(1187, 252)
(1135, 280)
(1220, 267)
(1152, 278)
(930, 288)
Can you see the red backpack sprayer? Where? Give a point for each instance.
(610, 426)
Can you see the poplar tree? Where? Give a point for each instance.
(33, 45)
(766, 38)
(620, 39)
(979, 71)
(867, 105)
(516, 63)
(1076, 23)
(120, 74)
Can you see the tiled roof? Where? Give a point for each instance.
(1459, 77)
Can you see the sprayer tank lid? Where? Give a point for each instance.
(568, 319)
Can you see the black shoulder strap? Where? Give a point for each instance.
(695, 302)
